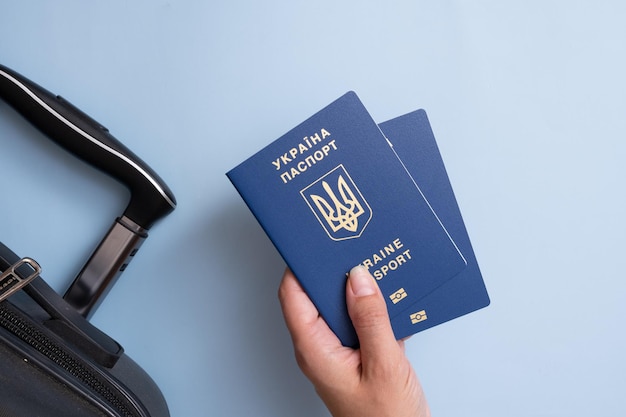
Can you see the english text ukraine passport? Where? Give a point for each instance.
(331, 194)
(414, 142)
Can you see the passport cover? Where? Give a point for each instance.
(414, 143)
(331, 194)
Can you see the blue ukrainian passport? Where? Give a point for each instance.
(414, 143)
(331, 194)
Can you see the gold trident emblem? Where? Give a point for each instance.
(344, 215)
(338, 204)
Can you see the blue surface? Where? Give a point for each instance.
(527, 101)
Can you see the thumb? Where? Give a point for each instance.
(368, 312)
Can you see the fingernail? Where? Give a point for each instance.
(361, 282)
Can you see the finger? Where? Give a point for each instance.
(368, 312)
(298, 310)
(312, 338)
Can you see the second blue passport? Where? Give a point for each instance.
(332, 194)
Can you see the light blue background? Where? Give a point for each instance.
(527, 100)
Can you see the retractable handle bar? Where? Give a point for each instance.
(150, 200)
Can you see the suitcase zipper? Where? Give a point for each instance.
(21, 328)
(11, 282)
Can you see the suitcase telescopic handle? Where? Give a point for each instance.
(150, 198)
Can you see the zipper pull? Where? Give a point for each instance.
(11, 281)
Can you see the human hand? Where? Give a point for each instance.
(375, 380)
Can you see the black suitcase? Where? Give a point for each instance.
(53, 362)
